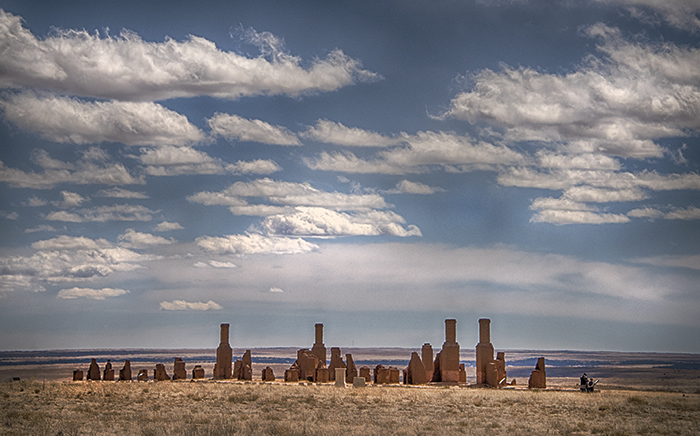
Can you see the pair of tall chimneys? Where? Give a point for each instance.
(451, 330)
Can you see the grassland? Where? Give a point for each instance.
(229, 408)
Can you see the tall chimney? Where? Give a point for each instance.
(319, 334)
(224, 334)
(485, 330)
(484, 351)
(450, 330)
(319, 350)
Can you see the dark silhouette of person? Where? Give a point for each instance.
(584, 382)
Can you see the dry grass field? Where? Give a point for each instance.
(229, 408)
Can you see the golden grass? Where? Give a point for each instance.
(229, 408)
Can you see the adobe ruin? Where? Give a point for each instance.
(322, 374)
(351, 370)
(319, 349)
(291, 374)
(310, 364)
(500, 364)
(394, 375)
(427, 359)
(125, 372)
(336, 362)
(365, 373)
(179, 372)
(224, 355)
(93, 371)
(446, 364)
(197, 372)
(268, 375)
(381, 375)
(243, 367)
(415, 373)
(489, 371)
(484, 351)
(159, 374)
(538, 377)
(108, 373)
(305, 365)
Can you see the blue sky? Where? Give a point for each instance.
(374, 166)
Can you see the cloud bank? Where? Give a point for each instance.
(127, 68)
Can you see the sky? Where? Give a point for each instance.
(375, 166)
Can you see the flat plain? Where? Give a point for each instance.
(640, 394)
(229, 408)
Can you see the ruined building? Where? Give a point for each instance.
(224, 355)
(484, 351)
(427, 359)
(310, 364)
(197, 372)
(268, 375)
(125, 372)
(243, 367)
(108, 373)
(336, 362)
(93, 371)
(159, 374)
(179, 372)
(415, 374)
(538, 377)
(319, 349)
(489, 371)
(351, 370)
(446, 365)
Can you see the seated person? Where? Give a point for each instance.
(584, 382)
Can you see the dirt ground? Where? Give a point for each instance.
(225, 408)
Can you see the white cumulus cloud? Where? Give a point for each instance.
(242, 129)
(119, 212)
(321, 222)
(186, 305)
(70, 199)
(287, 194)
(82, 173)
(65, 242)
(133, 239)
(561, 217)
(253, 243)
(421, 152)
(683, 14)
(125, 67)
(332, 132)
(94, 294)
(618, 105)
(408, 187)
(64, 119)
(167, 226)
(118, 192)
(257, 166)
